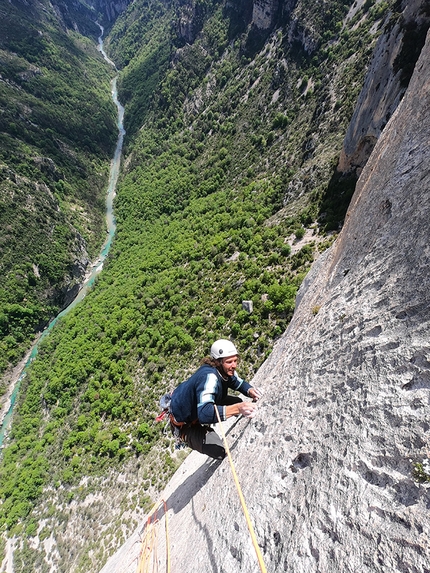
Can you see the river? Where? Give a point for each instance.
(97, 265)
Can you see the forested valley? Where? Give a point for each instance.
(229, 190)
(57, 130)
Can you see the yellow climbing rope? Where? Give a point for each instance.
(148, 552)
(167, 538)
(148, 549)
(242, 499)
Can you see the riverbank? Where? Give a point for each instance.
(10, 380)
(12, 376)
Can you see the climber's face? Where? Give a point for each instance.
(229, 365)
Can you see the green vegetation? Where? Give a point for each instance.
(230, 159)
(421, 471)
(157, 308)
(57, 134)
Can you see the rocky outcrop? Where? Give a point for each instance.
(389, 73)
(114, 9)
(77, 273)
(264, 13)
(189, 21)
(111, 9)
(326, 467)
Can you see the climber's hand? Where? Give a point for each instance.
(247, 409)
(255, 394)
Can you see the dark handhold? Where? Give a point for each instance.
(301, 462)
(236, 553)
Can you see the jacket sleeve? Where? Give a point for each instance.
(207, 393)
(240, 385)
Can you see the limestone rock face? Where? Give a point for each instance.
(387, 78)
(264, 13)
(187, 28)
(189, 21)
(112, 8)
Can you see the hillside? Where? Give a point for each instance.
(57, 134)
(231, 187)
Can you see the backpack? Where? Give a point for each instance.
(164, 404)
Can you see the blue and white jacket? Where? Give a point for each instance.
(195, 398)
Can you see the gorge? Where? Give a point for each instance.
(248, 126)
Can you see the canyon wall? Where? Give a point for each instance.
(111, 9)
(389, 73)
(264, 13)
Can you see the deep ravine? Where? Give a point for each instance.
(18, 374)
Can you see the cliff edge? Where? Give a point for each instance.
(390, 70)
(326, 467)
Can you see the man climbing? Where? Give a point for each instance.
(193, 403)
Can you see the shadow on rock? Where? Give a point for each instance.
(187, 490)
(210, 545)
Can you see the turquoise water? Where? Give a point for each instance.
(97, 267)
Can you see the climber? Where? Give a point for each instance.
(193, 403)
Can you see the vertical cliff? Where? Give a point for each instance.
(326, 467)
(388, 76)
(111, 9)
(264, 13)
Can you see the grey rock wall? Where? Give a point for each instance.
(264, 13)
(111, 8)
(387, 78)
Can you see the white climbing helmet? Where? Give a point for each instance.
(223, 349)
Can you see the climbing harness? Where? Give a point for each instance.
(176, 428)
(242, 499)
